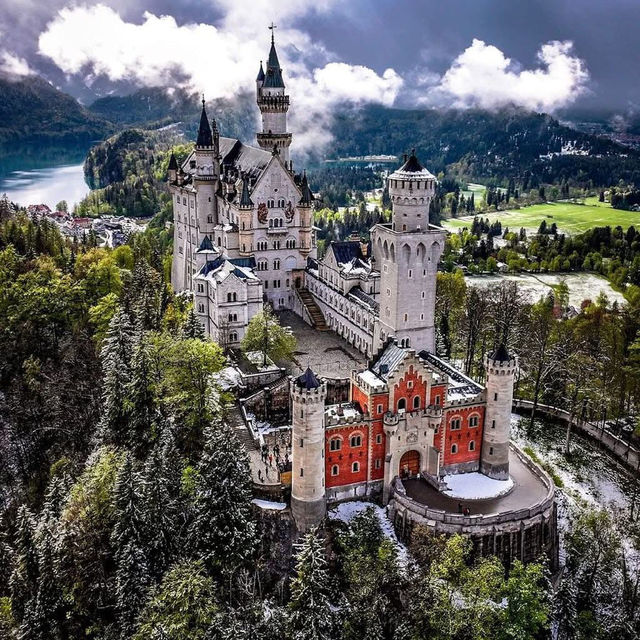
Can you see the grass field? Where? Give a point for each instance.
(571, 218)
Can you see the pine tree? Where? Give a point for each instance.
(192, 327)
(142, 406)
(164, 513)
(132, 570)
(116, 364)
(23, 582)
(311, 616)
(223, 531)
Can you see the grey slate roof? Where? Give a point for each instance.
(364, 297)
(206, 244)
(501, 353)
(308, 380)
(391, 357)
(205, 137)
(346, 251)
(260, 77)
(273, 77)
(412, 165)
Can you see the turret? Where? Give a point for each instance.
(308, 503)
(273, 104)
(411, 189)
(173, 168)
(501, 368)
(245, 221)
(207, 173)
(306, 215)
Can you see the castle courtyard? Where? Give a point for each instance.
(324, 351)
(528, 490)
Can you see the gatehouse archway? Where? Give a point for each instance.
(410, 464)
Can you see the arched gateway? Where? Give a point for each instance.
(410, 464)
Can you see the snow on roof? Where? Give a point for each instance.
(348, 410)
(476, 486)
(369, 377)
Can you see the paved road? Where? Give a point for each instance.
(528, 490)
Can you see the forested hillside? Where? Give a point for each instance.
(34, 111)
(475, 144)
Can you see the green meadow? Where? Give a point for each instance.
(570, 217)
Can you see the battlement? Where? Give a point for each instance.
(501, 367)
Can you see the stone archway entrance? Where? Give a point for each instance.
(410, 464)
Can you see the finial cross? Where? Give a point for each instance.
(272, 27)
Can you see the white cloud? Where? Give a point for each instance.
(219, 61)
(13, 65)
(482, 76)
(222, 61)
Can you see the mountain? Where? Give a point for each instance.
(476, 144)
(157, 107)
(34, 112)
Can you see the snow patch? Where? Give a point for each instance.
(267, 504)
(476, 486)
(346, 511)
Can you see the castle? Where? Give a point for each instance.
(244, 235)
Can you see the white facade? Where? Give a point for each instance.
(242, 204)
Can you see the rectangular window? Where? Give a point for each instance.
(301, 472)
(495, 396)
(301, 442)
(490, 451)
(379, 407)
(379, 439)
(378, 463)
(493, 424)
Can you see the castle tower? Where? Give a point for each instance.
(245, 220)
(273, 105)
(407, 252)
(306, 216)
(308, 503)
(501, 368)
(207, 174)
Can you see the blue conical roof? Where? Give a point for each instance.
(205, 137)
(308, 380)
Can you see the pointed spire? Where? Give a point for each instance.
(307, 194)
(308, 380)
(245, 198)
(173, 163)
(205, 138)
(501, 354)
(273, 77)
(260, 77)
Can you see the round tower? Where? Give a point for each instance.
(411, 190)
(207, 173)
(308, 503)
(501, 369)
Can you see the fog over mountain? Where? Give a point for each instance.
(470, 53)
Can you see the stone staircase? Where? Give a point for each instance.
(313, 309)
(236, 421)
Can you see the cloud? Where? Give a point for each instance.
(13, 65)
(221, 61)
(482, 76)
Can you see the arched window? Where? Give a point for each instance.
(335, 470)
(472, 445)
(229, 297)
(355, 467)
(416, 402)
(233, 337)
(402, 404)
(474, 420)
(335, 444)
(454, 448)
(356, 441)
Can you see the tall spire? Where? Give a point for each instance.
(245, 198)
(273, 77)
(205, 137)
(307, 194)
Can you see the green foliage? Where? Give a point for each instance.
(182, 607)
(265, 335)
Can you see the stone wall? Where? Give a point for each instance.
(623, 451)
(523, 534)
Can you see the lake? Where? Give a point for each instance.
(46, 185)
